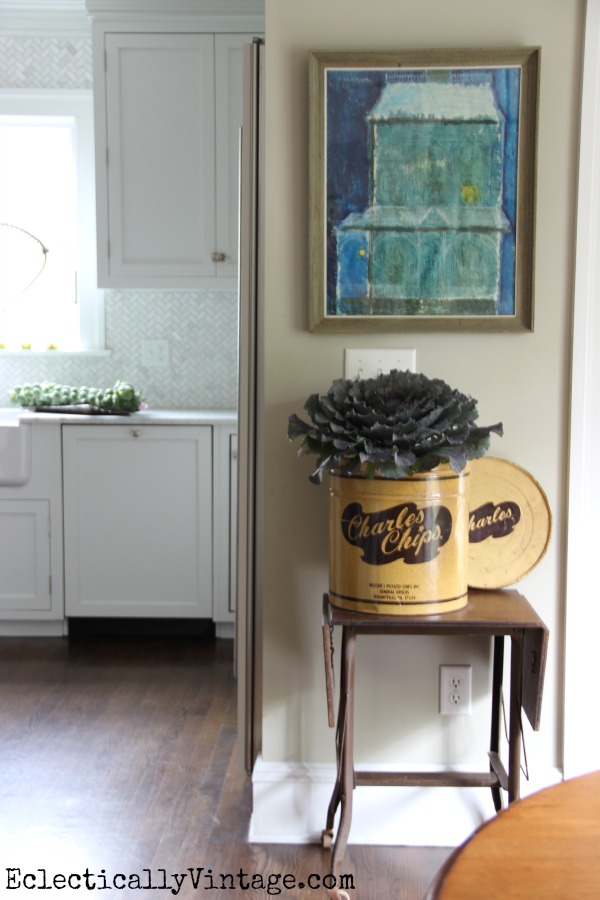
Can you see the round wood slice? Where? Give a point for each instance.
(509, 523)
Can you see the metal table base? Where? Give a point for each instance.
(496, 614)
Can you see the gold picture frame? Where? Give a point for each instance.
(422, 170)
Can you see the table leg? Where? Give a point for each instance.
(498, 669)
(336, 796)
(346, 750)
(340, 737)
(516, 689)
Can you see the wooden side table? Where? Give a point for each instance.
(544, 846)
(497, 614)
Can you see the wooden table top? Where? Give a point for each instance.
(497, 612)
(485, 612)
(546, 846)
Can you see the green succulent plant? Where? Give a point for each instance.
(392, 426)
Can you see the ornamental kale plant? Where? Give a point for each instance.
(391, 426)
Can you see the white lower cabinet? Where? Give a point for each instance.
(25, 586)
(138, 521)
(31, 528)
(225, 528)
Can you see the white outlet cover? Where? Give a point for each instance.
(155, 353)
(368, 363)
(455, 690)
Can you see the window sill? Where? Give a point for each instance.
(48, 353)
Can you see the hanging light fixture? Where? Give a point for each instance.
(22, 260)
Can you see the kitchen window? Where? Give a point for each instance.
(48, 294)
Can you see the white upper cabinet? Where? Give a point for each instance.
(229, 69)
(160, 108)
(168, 110)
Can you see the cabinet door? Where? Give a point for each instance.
(225, 515)
(138, 520)
(161, 158)
(229, 69)
(25, 585)
(233, 467)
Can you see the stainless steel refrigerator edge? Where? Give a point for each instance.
(249, 530)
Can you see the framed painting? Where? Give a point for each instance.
(422, 190)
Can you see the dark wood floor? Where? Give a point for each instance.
(117, 759)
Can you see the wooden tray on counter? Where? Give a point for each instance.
(79, 409)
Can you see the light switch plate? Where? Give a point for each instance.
(370, 363)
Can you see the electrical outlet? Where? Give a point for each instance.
(455, 690)
(370, 363)
(155, 354)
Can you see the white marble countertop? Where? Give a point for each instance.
(142, 417)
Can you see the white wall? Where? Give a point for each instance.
(521, 379)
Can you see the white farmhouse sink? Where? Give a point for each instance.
(15, 449)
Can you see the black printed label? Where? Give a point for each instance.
(405, 532)
(494, 520)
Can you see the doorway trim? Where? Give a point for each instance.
(581, 728)
(250, 407)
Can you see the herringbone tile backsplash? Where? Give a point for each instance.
(201, 326)
(45, 62)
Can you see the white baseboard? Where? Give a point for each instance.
(291, 800)
(225, 630)
(60, 628)
(50, 628)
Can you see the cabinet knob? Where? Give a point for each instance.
(135, 432)
(218, 256)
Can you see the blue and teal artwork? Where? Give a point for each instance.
(421, 191)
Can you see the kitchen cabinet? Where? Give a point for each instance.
(114, 517)
(31, 560)
(138, 520)
(168, 109)
(225, 529)
(26, 585)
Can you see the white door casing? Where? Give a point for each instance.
(581, 737)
